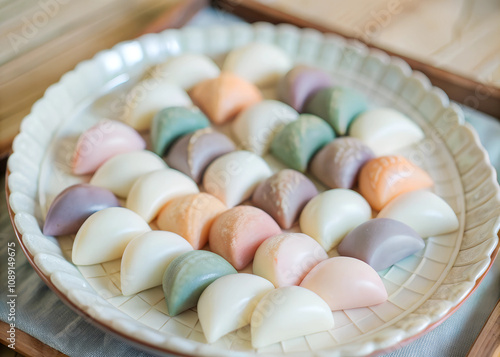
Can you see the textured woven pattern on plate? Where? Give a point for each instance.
(422, 288)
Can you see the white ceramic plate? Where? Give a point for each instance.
(424, 288)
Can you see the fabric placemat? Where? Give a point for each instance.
(41, 314)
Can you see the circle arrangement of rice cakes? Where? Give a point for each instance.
(262, 148)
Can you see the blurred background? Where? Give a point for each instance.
(454, 42)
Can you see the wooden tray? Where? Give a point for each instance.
(481, 96)
(488, 342)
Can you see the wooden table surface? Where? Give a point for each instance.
(458, 52)
(26, 345)
(41, 42)
(461, 36)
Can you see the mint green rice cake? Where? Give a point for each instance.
(171, 123)
(188, 275)
(337, 105)
(298, 141)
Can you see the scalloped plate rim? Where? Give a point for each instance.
(151, 346)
